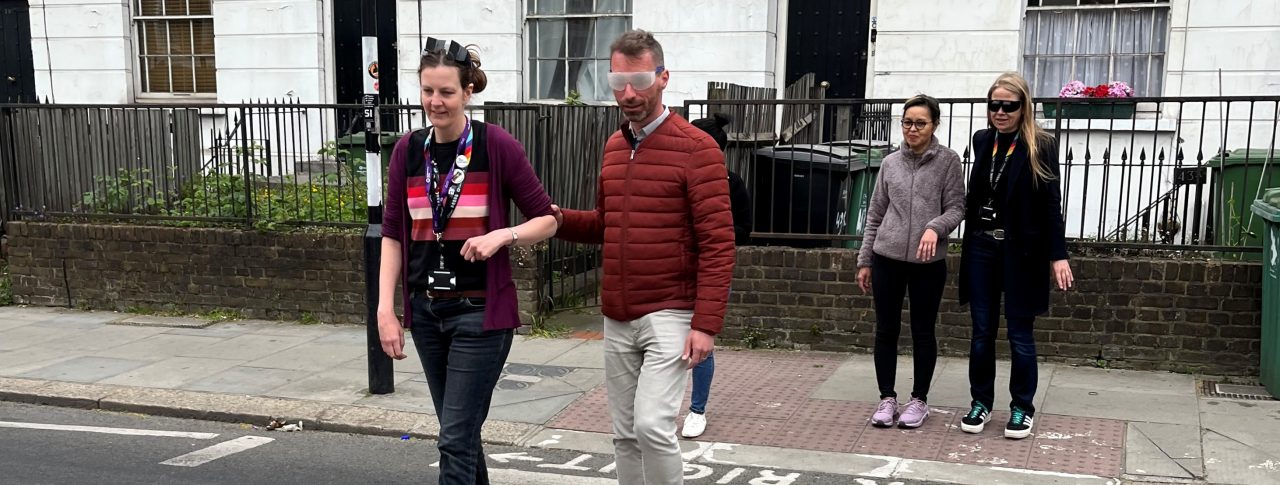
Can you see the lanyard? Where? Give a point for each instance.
(444, 198)
(996, 174)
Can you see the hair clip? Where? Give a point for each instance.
(451, 49)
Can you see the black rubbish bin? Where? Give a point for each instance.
(797, 189)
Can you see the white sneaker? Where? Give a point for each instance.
(694, 425)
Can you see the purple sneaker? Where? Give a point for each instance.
(886, 413)
(914, 414)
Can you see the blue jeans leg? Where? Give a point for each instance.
(462, 363)
(702, 374)
(1024, 375)
(984, 307)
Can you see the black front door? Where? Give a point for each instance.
(17, 71)
(350, 24)
(829, 38)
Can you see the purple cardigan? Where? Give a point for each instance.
(511, 179)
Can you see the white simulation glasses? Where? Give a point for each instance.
(641, 81)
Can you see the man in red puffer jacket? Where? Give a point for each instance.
(662, 213)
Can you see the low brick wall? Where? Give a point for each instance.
(1186, 316)
(260, 274)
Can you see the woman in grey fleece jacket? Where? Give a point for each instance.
(918, 200)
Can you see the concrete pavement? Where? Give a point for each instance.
(802, 411)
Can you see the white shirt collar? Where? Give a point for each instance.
(652, 126)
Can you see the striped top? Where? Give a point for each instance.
(469, 219)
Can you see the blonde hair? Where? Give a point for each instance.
(1030, 131)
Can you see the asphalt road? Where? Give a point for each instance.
(48, 445)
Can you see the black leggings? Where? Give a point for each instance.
(891, 281)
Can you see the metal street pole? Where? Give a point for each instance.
(380, 364)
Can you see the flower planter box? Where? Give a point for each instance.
(1111, 111)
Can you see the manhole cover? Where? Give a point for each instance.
(1234, 391)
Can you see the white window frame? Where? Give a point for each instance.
(140, 93)
(1158, 7)
(530, 86)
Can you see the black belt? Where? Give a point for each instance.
(997, 234)
(445, 295)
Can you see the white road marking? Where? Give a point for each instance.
(728, 477)
(509, 457)
(118, 431)
(220, 450)
(505, 475)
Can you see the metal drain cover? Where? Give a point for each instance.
(1235, 391)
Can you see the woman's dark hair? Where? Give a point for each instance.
(935, 111)
(714, 126)
(469, 72)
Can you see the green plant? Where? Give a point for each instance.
(6, 289)
(752, 338)
(574, 99)
(308, 318)
(543, 329)
(223, 315)
(350, 168)
(126, 192)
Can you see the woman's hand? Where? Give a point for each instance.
(481, 248)
(928, 245)
(1062, 274)
(864, 279)
(391, 333)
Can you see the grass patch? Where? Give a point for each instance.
(544, 329)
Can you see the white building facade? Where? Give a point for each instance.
(124, 51)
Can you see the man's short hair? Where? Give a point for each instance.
(634, 43)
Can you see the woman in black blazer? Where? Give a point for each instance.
(1014, 246)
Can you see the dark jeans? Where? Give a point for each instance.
(702, 375)
(462, 362)
(891, 281)
(985, 283)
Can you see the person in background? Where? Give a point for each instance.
(918, 200)
(695, 423)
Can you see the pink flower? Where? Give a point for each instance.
(1118, 89)
(1073, 89)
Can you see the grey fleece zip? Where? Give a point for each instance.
(914, 193)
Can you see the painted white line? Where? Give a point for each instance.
(119, 431)
(505, 475)
(220, 450)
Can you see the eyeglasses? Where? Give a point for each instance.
(641, 81)
(1002, 105)
(917, 124)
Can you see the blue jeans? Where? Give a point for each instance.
(462, 362)
(702, 374)
(985, 288)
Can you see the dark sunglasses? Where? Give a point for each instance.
(449, 49)
(1006, 106)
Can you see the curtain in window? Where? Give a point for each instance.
(1095, 46)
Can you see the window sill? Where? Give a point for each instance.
(175, 99)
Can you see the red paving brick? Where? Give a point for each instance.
(987, 448)
(762, 399)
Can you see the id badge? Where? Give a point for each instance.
(987, 213)
(442, 280)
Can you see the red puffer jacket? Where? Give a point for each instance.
(663, 215)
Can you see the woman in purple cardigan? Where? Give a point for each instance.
(446, 237)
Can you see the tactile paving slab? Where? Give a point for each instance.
(763, 399)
